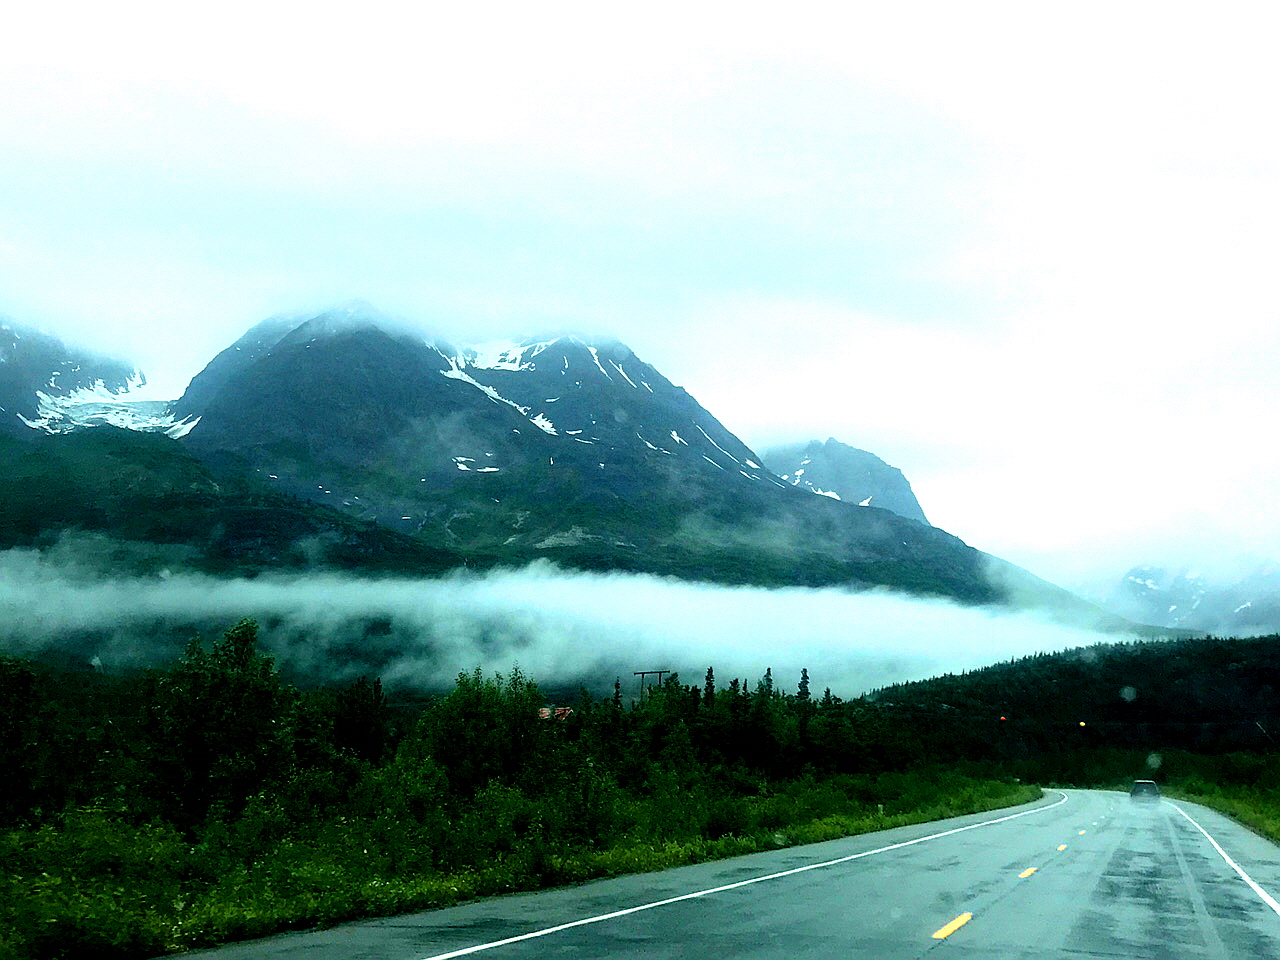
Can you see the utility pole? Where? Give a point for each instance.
(647, 673)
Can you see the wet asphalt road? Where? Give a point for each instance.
(1080, 874)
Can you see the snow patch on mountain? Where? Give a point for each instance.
(502, 355)
(595, 355)
(717, 446)
(542, 423)
(651, 446)
(618, 367)
(456, 373)
(99, 404)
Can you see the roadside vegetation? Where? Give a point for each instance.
(213, 800)
(1246, 787)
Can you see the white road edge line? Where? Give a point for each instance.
(733, 886)
(1269, 900)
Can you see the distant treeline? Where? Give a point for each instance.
(213, 800)
(1209, 695)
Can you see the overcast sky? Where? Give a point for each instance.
(1028, 257)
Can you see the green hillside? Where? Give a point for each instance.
(145, 489)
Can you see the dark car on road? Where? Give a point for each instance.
(1144, 790)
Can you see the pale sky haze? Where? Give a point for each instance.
(1025, 252)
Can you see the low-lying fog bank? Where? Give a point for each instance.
(563, 628)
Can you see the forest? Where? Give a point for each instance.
(214, 800)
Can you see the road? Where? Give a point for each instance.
(1081, 874)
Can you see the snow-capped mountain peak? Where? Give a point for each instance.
(339, 392)
(1232, 601)
(562, 448)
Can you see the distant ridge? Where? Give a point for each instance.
(1244, 602)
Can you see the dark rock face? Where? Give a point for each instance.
(846, 473)
(33, 363)
(333, 399)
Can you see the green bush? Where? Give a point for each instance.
(91, 885)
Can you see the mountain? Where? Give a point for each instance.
(351, 440)
(1242, 604)
(561, 448)
(836, 470)
(38, 371)
(480, 448)
(47, 386)
(335, 389)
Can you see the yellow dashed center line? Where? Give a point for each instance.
(943, 932)
(953, 926)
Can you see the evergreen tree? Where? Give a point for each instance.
(360, 722)
(19, 707)
(488, 729)
(765, 686)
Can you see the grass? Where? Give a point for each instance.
(1258, 811)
